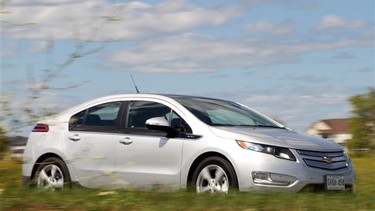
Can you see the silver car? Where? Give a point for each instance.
(145, 141)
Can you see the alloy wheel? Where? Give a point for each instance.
(212, 178)
(50, 177)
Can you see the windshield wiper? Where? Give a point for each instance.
(270, 126)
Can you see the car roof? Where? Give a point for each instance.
(152, 95)
(166, 97)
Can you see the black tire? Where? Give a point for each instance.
(52, 174)
(214, 174)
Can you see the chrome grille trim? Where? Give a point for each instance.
(324, 160)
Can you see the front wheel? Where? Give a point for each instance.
(52, 174)
(214, 174)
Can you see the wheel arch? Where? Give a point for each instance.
(41, 159)
(203, 156)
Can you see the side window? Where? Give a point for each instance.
(140, 111)
(103, 115)
(77, 119)
(177, 123)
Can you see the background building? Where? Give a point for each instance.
(334, 129)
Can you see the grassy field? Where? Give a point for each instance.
(14, 197)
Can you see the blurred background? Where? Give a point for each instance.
(308, 64)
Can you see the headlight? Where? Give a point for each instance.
(279, 152)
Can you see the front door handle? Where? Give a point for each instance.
(126, 141)
(75, 137)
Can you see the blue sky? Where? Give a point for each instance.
(298, 61)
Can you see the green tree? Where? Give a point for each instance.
(3, 140)
(362, 122)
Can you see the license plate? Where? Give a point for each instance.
(335, 182)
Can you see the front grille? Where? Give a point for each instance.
(324, 160)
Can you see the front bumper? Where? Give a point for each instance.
(262, 172)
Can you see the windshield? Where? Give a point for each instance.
(225, 113)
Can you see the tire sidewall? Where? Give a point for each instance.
(60, 164)
(221, 162)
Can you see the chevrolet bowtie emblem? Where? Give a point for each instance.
(328, 160)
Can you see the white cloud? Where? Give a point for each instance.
(195, 53)
(264, 26)
(286, 3)
(131, 20)
(333, 21)
(191, 53)
(327, 45)
(298, 110)
(38, 2)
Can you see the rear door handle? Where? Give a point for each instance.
(75, 137)
(126, 141)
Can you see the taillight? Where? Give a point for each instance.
(41, 128)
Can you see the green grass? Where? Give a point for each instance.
(14, 197)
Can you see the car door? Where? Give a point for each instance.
(91, 142)
(145, 158)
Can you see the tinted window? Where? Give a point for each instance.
(179, 124)
(103, 115)
(77, 119)
(140, 111)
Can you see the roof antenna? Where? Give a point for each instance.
(135, 85)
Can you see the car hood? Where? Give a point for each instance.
(277, 137)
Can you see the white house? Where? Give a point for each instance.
(334, 129)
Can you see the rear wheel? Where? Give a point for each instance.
(214, 174)
(52, 174)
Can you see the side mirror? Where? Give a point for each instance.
(161, 124)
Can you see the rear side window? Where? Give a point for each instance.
(96, 118)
